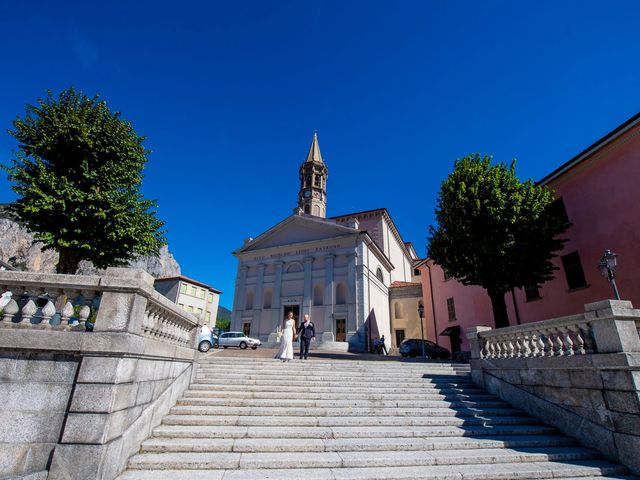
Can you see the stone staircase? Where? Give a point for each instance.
(345, 420)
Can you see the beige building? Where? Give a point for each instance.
(338, 269)
(192, 296)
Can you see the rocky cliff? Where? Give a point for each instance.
(18, 248)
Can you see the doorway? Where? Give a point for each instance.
(341, 329)
(399, 337)
(296, 313)
(246, 328)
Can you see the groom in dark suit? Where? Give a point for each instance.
(306, 331)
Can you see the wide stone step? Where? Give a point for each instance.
(375, 411)
(417, 402)
(338, 385)
(348, 431)
(243, 445)
(353, 459)
(279, 372)
(323, 388)
(288, 421)
(497, 471)
(357, 395)
(305, 379)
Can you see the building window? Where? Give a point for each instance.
(199, 312)
(306, 209)
(341, 294)
(210, 297)
(208, 316)
(379, 274)
(398, 310)
(318, 294)
(201, 293)
(294, 268)
(573, 270)
(558, 210)
(416, 272)
(307, 181)
(267, 299)
(194, 290)
(317, 180)
(248, 305)
(181, 305)
(532, 292)
(451, 308)
(183, 288)
(190, 308)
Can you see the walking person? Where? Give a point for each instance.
(382, 345)
(306, 332)
(286, 343)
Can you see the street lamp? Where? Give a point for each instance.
(607, 268)
(421, 314)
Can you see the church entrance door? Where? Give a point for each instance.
(341, 330)
(296, 313)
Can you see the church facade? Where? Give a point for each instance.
(339, 270)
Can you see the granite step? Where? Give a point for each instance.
(359, 443)
(340, 403)
(353, 459)
(348, 395)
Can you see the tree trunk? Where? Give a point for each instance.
(499, 306)
(68, 261)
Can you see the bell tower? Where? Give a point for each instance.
(312, 198)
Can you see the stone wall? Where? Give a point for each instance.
(580, 374)
(77, 404)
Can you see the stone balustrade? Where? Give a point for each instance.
(579, 373)
(76, 401)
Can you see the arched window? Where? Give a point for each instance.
(248, 304)
(341, 294)
(398, 310)
(307, 181)
(294, 268)
(318, 295)
(267, 299)
(306, 209)
(379, 274)
(317, 180)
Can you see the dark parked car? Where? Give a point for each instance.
(411, 347)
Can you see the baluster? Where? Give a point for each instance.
(10, 310)
(558, 344)
(589, 342)
(85, 310)
(48, 311)
(549, 347)
(530, 349)
(505, 347)
(579, 341)
(28, 310)
(568, 342)
(510, 347)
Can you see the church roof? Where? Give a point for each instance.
(314, 155)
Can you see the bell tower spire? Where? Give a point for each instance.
(312, 198)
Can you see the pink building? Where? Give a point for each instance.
(598, 190)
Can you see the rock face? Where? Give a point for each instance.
(17, 247)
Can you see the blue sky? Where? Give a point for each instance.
(229, 93)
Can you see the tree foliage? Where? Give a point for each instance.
(223, 323)
(494, 230)
(77, 171)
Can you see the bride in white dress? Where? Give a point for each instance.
(286, 343)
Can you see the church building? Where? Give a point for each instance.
(340, 270)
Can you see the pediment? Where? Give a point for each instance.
(298, 229)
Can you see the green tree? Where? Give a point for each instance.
(223, 324)
(494, 231)
(77, 171)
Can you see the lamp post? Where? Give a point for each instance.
(421, 314)
(607, 268)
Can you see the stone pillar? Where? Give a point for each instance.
(352, 324)
(240, 298)
(275, 301)
(258, 300)
(329, 321)
(473, 333)
(616, 329)
(308, 287)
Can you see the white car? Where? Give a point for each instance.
(237, 339)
